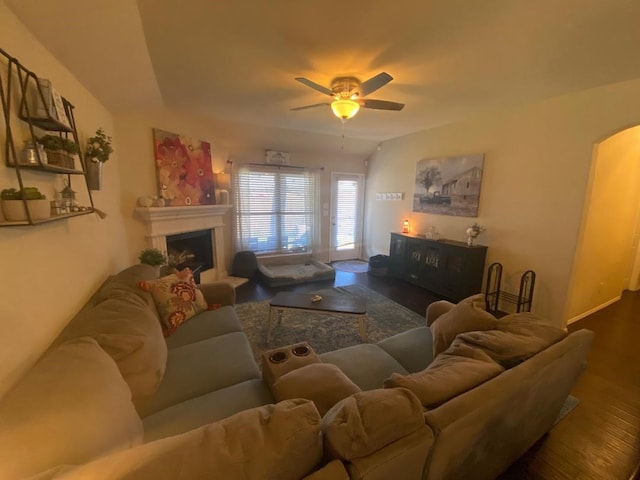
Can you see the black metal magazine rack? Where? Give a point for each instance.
(495, 296)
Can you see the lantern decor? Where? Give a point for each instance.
(405, 226)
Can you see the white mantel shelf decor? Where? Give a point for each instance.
(164, 221)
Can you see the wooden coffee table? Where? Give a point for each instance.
(344, 305)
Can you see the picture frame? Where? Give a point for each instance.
(449, 185)
(184, 170)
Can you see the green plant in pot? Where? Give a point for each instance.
(13, 204)
(96, 153)
(60, 150)
(52, 143)
(153, 257)
(98, 147)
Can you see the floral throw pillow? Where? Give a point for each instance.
(176, 297)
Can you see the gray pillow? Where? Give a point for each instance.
(368, 421)
(468, 315)
(515, 338)
(458, 369)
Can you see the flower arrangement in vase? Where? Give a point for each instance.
(96, 153)
(472, 233)
(98, 147)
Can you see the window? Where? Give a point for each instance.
(275, 209)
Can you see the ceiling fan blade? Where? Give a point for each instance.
(315, 86)
(374, 83)
(381, 104)
(310, 106)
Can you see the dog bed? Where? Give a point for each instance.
(277, 272)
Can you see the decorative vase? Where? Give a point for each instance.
(470, 240)
(94, 174)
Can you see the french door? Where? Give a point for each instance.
(347, 200)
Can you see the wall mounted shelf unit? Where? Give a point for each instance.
(32, 107)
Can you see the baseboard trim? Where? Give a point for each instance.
(593, 310)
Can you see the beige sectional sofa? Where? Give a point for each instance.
(112, 398)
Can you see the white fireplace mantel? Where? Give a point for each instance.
(163, 221)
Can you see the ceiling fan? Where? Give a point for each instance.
(348, 92)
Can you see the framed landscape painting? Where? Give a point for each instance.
(184, 170)
(448, 185)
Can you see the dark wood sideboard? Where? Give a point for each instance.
(447, 268)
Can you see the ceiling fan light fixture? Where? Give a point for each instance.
(345, 109)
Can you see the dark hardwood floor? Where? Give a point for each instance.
(600, 438)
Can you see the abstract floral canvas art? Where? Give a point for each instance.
(183, 168)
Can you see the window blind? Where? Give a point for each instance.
(275, 209)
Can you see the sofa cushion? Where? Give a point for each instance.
(458, 369)
(72, 406)
(413, 349)
(516, 337)
(334, 470)
(280, 441)
(202, 367)
(207, 408)
(466, 316)
(368, 421)
(322, 383)
(177, 298)
(366, 365)
(127, 328)
(211, 323)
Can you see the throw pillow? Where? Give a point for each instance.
(177, 298)
(516, 337)
(69, 408)
(322, 383)
(468, 315)
(368, 421)
(458, 369)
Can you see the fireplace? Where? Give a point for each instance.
(193, 250)
(163, 223)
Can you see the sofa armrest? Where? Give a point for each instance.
(405, 458)
(221, 293)
(435, 309)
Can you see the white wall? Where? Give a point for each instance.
(606, 247)
(537, 161)
(240, 142)
(50, 270)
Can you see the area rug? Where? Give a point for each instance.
(353, 266)
(325, 331)
(569, 404)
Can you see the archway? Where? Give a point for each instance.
(606, 258)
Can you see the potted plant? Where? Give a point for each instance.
(13, 204)
(153, 257)
(97, 152)
(60, 150)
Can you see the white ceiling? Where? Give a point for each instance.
(237, 60)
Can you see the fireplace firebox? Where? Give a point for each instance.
(193, 250)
